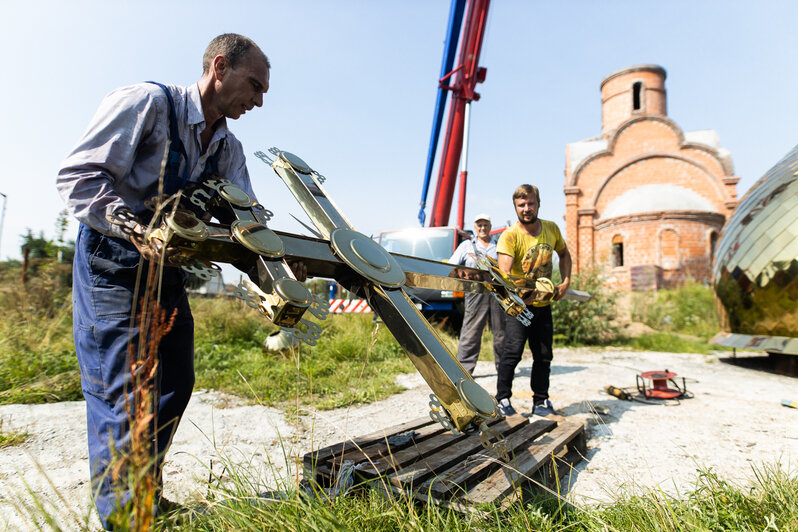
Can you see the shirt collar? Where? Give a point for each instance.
(195, 114)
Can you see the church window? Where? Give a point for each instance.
(617, 251)
(637, 96)
(713, 242)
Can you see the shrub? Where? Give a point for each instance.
(590, 322)
(688, 309)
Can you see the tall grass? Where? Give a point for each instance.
(689, 309)
(341, 369)
(713, 504)
(37, 356)
(38, 363)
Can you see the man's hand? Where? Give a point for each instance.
(154, 250)
(299, 268)
(560, 289)
(528, 296)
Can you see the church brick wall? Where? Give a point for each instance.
(636, 148)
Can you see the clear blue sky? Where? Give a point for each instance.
(353, 86)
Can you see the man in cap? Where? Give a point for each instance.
(478, 307)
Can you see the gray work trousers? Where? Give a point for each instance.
(478, 308)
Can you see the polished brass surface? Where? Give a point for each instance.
(292, 291)
(426, 350)
(506, 292)
(296, 163)
(258, 238)
(282, 311)
(235, 195)
(755, 273)
(246, 242)
(370, 253)
(310, 194)
(455, 284)
(476, 398)
(186, 225)
(367, 257)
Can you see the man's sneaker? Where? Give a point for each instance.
(505, 408)
(544, 409)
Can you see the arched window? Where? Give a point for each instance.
(637, 96)
(713, 242)
(617, 251)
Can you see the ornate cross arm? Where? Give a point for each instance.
(377, 275)
(239, 236)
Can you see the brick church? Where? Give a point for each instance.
(644, 198)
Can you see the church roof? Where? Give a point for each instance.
(656, 198)
(581, 150)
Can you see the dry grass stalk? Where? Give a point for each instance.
(139, 466)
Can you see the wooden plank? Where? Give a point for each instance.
(404, 457)
(311, 459)
(380, 450)
(414, 465)
(476, 467)
(506, 480)
(564, 461)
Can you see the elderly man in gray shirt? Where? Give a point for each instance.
(478, 307)
(117, 164)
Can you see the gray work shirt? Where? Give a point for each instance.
(468, 251)
(118, 160)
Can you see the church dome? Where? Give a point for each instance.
(656, 198)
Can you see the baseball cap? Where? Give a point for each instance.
(482, 216)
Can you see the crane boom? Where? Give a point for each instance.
(461, 82)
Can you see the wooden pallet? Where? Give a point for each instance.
(427, 462)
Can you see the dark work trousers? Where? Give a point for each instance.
(104, 277)
(480, 308)
(539, 334)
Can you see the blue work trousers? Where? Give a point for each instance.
(104, 277)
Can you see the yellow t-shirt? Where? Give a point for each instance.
(532, 255)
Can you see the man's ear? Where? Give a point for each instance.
(220, 66)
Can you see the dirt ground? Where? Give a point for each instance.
(734, 422)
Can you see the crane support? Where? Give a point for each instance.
(461, 81)
(449, 51)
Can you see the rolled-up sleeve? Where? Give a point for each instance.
(105, 155)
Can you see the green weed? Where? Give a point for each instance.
(667, 343)
(340, 370)
(11, 438)
(689, 309)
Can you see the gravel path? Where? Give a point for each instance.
(734, 422)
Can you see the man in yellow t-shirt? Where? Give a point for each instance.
(526, 250)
